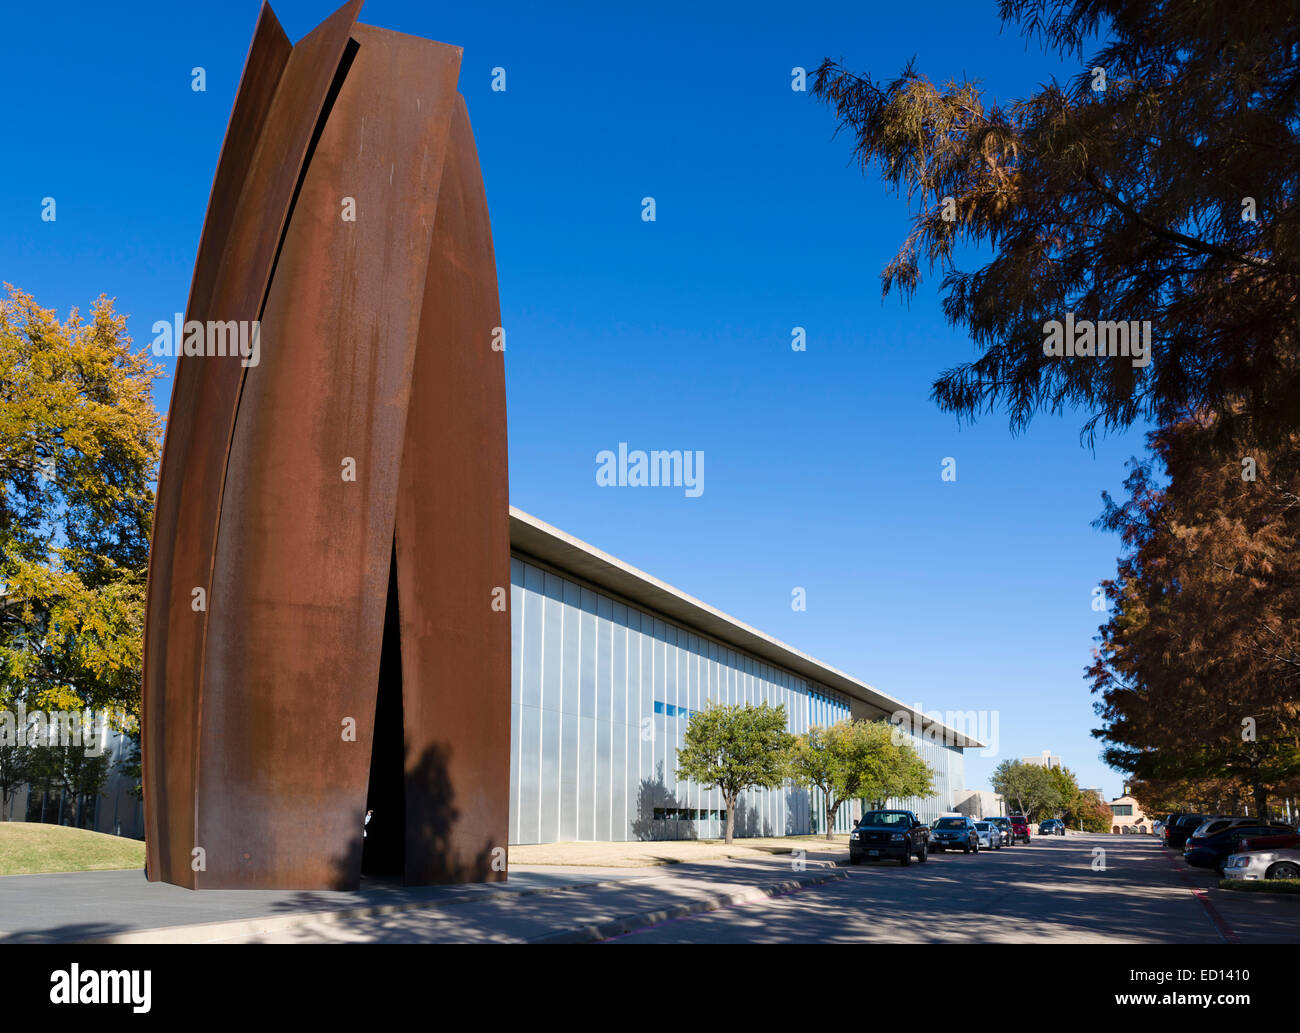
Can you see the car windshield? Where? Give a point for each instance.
(950, 823)
(885, 818)
(983, 826)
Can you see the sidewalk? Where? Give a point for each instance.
(674, 851)
(551, 903)
(585, 913)
(1238, 917)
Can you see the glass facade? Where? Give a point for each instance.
(949, 766)
(601, 694)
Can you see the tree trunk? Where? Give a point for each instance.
(830, 821)
(731, 820)
(1261, 801)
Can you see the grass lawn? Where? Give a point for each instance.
(30, 848)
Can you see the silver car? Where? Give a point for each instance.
(1283, 863)
(990, 836)
(1213, 826)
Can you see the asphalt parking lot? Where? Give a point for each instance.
(1073, 889)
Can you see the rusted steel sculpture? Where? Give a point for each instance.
(332, 521)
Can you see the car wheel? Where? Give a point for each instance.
(854, 860)
(966, 849)
(906, 859)
(922, 854)
(1284, 870)
(975, 847)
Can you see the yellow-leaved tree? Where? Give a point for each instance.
(79, 445)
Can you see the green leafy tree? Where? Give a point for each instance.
(854, 759)
(1159, 183)
(1090, 813)
(735, 747)
(1067, 791)
(1031, 787)
(79, 444)
(1078, 808)
(900, 773)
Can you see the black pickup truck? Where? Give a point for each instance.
(897, 834)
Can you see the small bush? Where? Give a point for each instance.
(1262, 886)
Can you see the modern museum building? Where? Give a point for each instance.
(608, 665)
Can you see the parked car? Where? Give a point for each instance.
(1004, 826)
(1051, 827)
(1166, 823)
(1019, 827)
(989, 835)
(955, 832)
(897, 834)
(1183, 828)
(1213, 826)
(1279, 842)
(1263, 864)
(1211, 851)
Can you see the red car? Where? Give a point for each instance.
(1019, 827)
(1248, 843)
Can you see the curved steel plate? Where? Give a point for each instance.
(453, 550)
(268, 143)
(302, 559)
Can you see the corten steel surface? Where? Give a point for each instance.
(246, 704)
(450, 558)
(267, 152)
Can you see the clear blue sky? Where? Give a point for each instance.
(822, 469)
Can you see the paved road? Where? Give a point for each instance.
(74, 906)
(1046, 892)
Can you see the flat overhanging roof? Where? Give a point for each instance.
(536, 538)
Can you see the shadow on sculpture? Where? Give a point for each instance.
(332, 517)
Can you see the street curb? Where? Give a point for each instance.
(209, 931)
(1216, 892)
(631, 923)
(1226, 894)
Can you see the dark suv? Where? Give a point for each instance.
(897, 834)
(1183, 828)
(955, 832)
